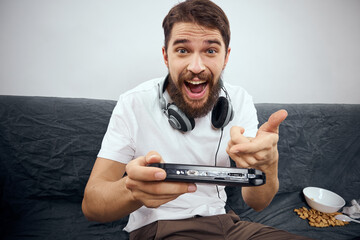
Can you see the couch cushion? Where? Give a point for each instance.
(47, 149)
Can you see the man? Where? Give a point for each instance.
(196, 51)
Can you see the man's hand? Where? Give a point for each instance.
(260, 152)
(146, 185)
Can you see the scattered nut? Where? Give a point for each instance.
(319, 219)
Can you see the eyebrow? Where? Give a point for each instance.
(181, 41)
(214, 42)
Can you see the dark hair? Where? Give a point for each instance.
(202, 12)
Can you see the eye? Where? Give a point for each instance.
(211, 51)
(182, 50)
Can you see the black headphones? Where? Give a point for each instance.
(221, 114)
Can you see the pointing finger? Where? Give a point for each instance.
(272, 125)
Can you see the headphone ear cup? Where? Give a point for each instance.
(179, 120)
(222, 113)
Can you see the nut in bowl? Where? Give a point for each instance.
(323, 200)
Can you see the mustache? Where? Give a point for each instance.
(187, 75)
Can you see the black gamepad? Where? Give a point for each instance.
(210, 174)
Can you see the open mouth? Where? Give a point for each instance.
(196, 89)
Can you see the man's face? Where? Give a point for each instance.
(195, 57)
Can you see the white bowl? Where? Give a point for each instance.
(323, 200)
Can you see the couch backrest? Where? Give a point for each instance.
(319, 146)
(48, 145)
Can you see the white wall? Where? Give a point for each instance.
(299, 51)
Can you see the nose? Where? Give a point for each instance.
(196, 64)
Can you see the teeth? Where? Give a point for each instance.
(196, 82)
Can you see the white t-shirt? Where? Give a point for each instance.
(138, 125)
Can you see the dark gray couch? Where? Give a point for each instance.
(48, 147)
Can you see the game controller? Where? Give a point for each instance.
(227, 176)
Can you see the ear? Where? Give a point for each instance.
(226, 57)
(165, 56)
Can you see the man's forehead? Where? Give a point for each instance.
(186, 32)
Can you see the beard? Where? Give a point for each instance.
(195, 108)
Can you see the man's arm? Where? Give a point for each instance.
(260, 197)
(109, 196)
(261, 153)
(106, 197)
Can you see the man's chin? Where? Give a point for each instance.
(196, 104)
(197, 108)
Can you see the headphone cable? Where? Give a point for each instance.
(216, 154)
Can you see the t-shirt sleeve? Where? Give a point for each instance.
(246, 114)
(251, 120)
(118, 143)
